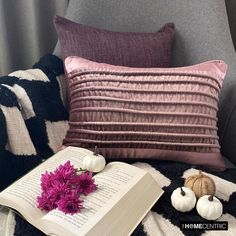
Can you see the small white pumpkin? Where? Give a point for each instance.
(209, 207)
(183, 199)
(95, 162)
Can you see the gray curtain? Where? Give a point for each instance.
(27, 31)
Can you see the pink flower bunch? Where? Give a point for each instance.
(63, 187)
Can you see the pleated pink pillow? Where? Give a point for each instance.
(146, 113)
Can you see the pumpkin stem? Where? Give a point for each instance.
(95, 152)
(182, 192)
(210, 198)
(200, 172)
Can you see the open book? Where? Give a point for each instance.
(124, 195)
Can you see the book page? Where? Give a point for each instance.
(113, 183)
(22, 194)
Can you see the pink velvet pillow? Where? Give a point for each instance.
(148, 113)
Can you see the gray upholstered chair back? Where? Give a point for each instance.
(202, 34)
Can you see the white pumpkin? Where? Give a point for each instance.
(209, 207)
(94, 162)
(183, 199)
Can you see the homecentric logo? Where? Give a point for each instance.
(193, 225)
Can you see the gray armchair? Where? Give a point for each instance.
(202, 34)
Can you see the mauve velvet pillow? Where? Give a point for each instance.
(150, 113)
(117, 48)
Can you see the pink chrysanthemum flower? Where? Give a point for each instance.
(65, 172)
(70, 204)
(62, 188)
(45, 202)
(86, 183)
(58, 191)
(46, 180)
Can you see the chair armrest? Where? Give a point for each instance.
(227, 125)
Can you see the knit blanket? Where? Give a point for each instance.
(33, 122)
(33, 118)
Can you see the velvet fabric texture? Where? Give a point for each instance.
(160, 113)
(117, 48)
